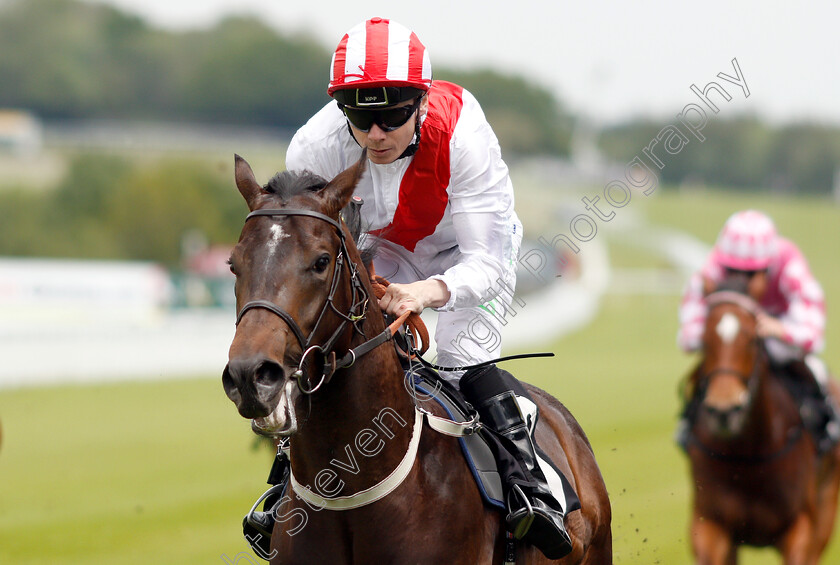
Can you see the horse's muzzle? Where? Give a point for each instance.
(726, 422)
(254, 385)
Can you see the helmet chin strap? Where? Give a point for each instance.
(415, 141)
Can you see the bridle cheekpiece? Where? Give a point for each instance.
(354, 316)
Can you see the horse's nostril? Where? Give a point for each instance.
(228, 384)
(268, 373)
(253, 384)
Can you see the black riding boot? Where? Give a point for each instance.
(257, 526)
(534, 514)
(819, 411)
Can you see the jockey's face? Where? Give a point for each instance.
(385, 147)
(757, 281)
(730, 272)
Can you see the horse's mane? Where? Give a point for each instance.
(291, 183)
(287, 184)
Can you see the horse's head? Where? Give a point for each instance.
(298, 292)
(728, 375)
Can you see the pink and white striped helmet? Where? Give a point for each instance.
(380, 53)
(747, 242)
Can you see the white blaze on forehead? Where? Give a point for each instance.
(728, 327)
(277, 234)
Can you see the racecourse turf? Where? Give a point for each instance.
(162, 471)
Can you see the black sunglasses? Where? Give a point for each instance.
(388, 119)
(749, 274)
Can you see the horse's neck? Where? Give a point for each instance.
(768, 419)
(360, 424)
(778, 402)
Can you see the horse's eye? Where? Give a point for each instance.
(230, 265)
(321, 263)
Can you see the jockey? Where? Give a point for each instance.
(438, 208)
(792, 320)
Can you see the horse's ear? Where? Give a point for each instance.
(336, 194)
(246, 182)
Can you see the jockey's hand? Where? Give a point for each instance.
(768, 326)
(414, 297)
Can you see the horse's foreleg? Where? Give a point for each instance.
(797, 545)
(828, 487)
(827, 504)
(711, 543)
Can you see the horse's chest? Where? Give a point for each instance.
(438, 508)
(753, 505)
(390, 540)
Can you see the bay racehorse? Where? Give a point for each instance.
(758, 479)
(372, 482)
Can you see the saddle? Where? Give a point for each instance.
(430, 388)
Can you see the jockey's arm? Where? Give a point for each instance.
(692, 314)
(768, 326)
(474, 279)
(481, 203)
(803, 323)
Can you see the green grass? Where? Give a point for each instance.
(619, 377)
(162, 472)
(129, 473)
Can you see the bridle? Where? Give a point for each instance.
(751, 380)
(732, 297)
(751, 307)
(355, 314)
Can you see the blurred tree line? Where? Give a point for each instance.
(110, 207)
(65, 59)
(70, 60)
(743, 153)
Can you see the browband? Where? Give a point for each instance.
(301, 212)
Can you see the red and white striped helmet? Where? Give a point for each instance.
(747, 242)
(378, 54)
